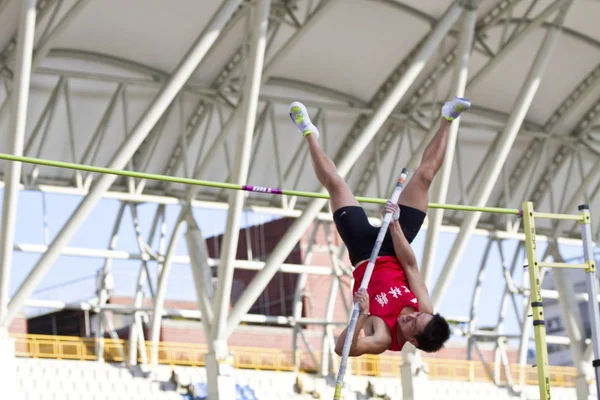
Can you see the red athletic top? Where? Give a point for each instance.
(388, 293)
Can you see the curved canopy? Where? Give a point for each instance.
(105, 61)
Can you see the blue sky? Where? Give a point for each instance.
(95, 233)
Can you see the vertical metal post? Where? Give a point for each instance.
(161, 291)
(201, 273)
(159, 105)
(293, 234)
(475, 297)
(136, 333)
(15, 141)
(440, 188)
(300, 285)
(572, 323)
(494, 166)
(326, 350)
(537, 306)
(240, 174)
(592, 284)
(103, 275)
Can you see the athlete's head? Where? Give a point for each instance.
(425, 331)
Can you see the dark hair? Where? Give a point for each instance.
(435, 334)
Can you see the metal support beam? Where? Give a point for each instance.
(298, 295)
(573, 326)
(295, 232)
(425, 88)
(43, 8)
(516, 40)
(575, 199)
(589, 85)
(136, 333)
(105, 276)
(475, 298)
(240, 174)
(544, 183)
(213, 150)
(201, 272)
(204, 294)
(486, 23)
(495, 164)
(15, 142)
(440, 188)
(500, 351)
(336, 273)
(158, 106)
(316, 16)
(161, 291)
(45, 44)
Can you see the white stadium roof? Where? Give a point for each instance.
(340, 60)
(98, 67)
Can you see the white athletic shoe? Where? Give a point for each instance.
(299, 115)
(453, 109)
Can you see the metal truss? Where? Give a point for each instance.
(558, 159)
(442, 67)
(243, 152)
(494, 165)
(392, 118)
(136, 137)
(590, 84)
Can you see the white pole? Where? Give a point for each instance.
(440, 189)
(364, 284)
(15, 142)
(242, 163)
(592, 284)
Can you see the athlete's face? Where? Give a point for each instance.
(413, 324)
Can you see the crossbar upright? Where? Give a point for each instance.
(592, 285)
(537, 305)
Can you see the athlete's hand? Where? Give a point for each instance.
(362, 297)
(390, 207)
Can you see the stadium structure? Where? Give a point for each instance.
(152, 284)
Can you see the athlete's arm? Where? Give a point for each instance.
(375, 343)
(407, 258)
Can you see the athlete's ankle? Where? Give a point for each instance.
(311, 139)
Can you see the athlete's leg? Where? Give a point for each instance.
(416, 192)
(340, 193)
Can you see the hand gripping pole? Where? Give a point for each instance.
(365, 282)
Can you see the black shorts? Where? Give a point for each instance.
(359, 235)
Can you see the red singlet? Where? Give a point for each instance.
(388, 293)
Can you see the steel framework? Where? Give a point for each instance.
(247, 95)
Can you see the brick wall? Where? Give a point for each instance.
(18, 325)
(277, 298)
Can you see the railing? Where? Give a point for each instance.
(184, 354)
